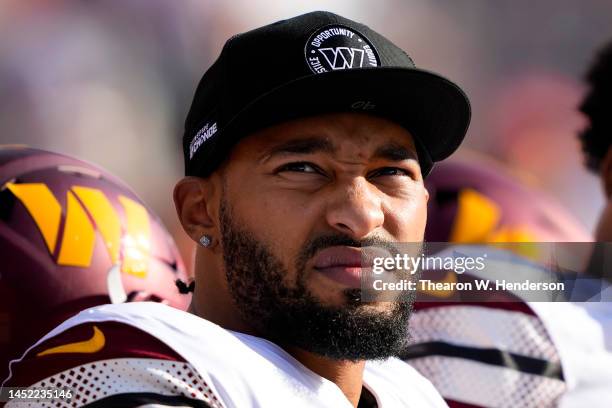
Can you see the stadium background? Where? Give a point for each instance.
(111, 81)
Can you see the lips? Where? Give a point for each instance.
(345, 264)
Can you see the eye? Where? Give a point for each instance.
(299, 167)
(391, 171)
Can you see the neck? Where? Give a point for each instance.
(347, 375)
(219, 310)
(211, 300)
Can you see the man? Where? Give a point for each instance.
(307, 140)
(597, 137)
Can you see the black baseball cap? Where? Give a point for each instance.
(311, 64)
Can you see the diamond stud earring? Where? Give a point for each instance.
(206, 241)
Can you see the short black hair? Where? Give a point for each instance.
(597, 106)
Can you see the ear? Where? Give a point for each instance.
(606, 173)
(194, 200)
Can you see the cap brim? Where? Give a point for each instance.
(433, 109)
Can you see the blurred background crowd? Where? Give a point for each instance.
(111, 81)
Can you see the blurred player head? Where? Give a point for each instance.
(307, 147)
(597, 138)
(73, 236)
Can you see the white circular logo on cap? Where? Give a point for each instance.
(337, 47)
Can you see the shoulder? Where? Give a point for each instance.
(111, 363)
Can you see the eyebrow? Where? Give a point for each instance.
(394, 152)
(299, 146)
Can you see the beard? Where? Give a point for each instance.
(291, 316)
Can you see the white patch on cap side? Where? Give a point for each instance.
(337, 47)
(205, 133)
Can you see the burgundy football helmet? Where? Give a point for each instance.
(73, 236)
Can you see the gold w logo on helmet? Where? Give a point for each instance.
(88, 209)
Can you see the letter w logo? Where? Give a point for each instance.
(343, 57)
(88, 209)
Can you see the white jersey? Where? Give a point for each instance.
(230, 369)
(582, 334)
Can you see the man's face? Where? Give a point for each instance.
(299, 200)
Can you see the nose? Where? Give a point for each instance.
(356, 209)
